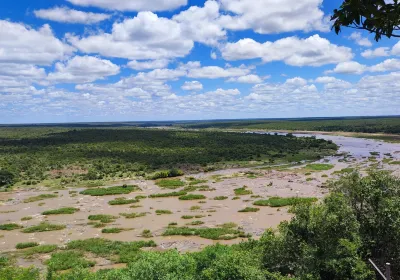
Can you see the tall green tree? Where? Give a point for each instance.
(376, 16)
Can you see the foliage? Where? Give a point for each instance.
(364, 125)
(103, 218)
(375, 200)
(73, 156)
(220, 197)
(156, 195)
(112, 230)
(122, 201)
(40, 197)
(376, 16)
(166, 174)
(162, 212)
(42, 227)
(170, 183)
(41, 249)
(242, 191)
(66, 260)
(9, 227)
(133, 215)
(249, 209)
(6, 178)
(195, 223)
(125, 189)
(192, 197)
(284, 201)
(208, 233)
(26, 245)
(146, 233)
(65, 210)
(319, 166)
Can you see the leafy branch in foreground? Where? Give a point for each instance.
(375, 16)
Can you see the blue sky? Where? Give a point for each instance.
(131, 60)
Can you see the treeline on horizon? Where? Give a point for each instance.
(32, 154)
(362, 125)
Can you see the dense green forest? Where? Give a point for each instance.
(365, 125)
(327, 240)
(31, 155)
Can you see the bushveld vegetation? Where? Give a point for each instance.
(105, 219)
(39, 197)
(125, 189)
(242, 191)
(42, 227)
(68, 156)
(25, 245)
(365, 125)
(170, 194)
(330, 239)
(122, 201)
(192, 197)
(133, 215)
(65, 210)
(319, 166)
(284, 201)
(10, 226)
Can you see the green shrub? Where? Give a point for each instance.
(146, 233)
(170, 183)
(197, 182)
(41, 249)
(133, 215)
(208, 233)
(42, 227)
(166, 174)
(319, 166)
(243, 191)
(105, 219)
(26, 245)
(139, 197)
(112, 230)
(26, 218)
(235, 198)
(195, 207)
(162, 212)
(220, 197)
(187, 217)
(10, 227)
(249, 209)
(192, 197)
(40, 197)
(67, 260)
(195, 223)
(66, 210)
(284, 201)
(122, 201)
(124, 189)
(180, 193)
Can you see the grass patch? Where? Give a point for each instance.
(195, 207)
(394, 162)
(163, 212)
(170, 183)
(374, 153)
(28, 218)
(146, 233)
(105, 219)
(187, 217)
(9, 227)
(236, 198)
(220, 197)
(170, 194)
(61, 211)
(229, 225)
(197, 182)
(40, 197)
(139, 197)
(133, 215)
(249, 209)
(42, 227)
(26, 245)
(173, 224)
(112, 230)
(281, 201)
(122, 201)
(324, 176)
(126, 251)
(124, 189)
(67, 260)
(319, 166)
(207, 233)
(243, 191)
(192, 197)
(41, 249)
(195, 223)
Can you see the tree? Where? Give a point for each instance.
(6, 178)
(375, 16)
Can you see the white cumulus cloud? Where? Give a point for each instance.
(64, 14)
(132, 5)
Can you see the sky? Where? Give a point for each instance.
(136, 60)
